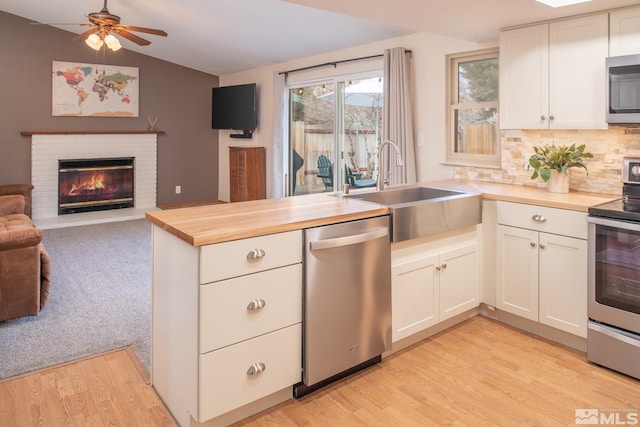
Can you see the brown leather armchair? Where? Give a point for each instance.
(24, 264)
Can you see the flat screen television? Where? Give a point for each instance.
(234, 107)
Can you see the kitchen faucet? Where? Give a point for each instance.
(382, 180)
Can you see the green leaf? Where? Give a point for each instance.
(545, 174)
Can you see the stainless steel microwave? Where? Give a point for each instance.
(623, 89)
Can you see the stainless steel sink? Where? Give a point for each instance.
(424, 211)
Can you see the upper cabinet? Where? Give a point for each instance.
(624, 37)
(552, 76)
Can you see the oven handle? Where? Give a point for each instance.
(625, 225)
(618, 335)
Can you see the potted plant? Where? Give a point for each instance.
(551, 163)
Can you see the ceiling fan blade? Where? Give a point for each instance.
(57, 23)
(127, 35)
(142, 30)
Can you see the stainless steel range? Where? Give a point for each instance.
(613, 336)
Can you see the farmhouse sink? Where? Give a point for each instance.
(419, 211)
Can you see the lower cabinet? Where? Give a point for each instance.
(226, 325)
(542, 276)
(433, 280)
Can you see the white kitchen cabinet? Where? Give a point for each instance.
(226, 325)
(552, 76)
(624, 32)
(433, 280)
(542, 275)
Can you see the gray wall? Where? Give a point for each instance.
(180, 97)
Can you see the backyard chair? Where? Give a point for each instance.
(354, 179)
(325, 171)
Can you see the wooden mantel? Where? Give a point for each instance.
(90, 132)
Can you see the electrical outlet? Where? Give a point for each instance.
(178, 189)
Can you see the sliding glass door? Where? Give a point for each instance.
(334, 131)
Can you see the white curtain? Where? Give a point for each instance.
(280, 146)
(397, 119)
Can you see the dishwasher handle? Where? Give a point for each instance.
(349, 240)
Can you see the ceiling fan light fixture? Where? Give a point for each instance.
(112, 42)
(94, 42)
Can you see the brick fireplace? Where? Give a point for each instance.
(48, 149)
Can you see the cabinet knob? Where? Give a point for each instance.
(551, 117)
(256, 369)
(533, 245)
(441, 267)
(256, 254)
(256, 304)
(539, 218)
(543, 118)
(542, 246)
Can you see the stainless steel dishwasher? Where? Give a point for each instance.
(347, 300)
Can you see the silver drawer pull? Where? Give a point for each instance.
(539, 218)
(256, 304)
(256, 369)
(256, 254)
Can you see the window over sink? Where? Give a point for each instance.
(473, 108)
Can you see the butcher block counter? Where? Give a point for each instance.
(203, 225)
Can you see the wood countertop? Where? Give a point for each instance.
(203, 225)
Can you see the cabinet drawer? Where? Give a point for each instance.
(550, 220)
(225, 315)
(224, 382)
(230, 259)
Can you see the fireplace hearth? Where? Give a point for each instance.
(86, 185)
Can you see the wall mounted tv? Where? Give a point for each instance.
(234, 107)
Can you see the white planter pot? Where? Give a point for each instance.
(558, 183)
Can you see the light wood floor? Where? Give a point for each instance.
(111, 389)
(480, 373)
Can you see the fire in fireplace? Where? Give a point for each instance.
(95, 184)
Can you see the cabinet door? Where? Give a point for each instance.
(517, 271)
(459, 281)
(414, 296)
(524, 78)
(563, 283)
(577, 51)
(624, 37)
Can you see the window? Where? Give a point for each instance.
(472, 99)
(334, 132)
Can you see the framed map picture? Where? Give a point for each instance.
(95, 90)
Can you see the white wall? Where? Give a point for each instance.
(429, 52)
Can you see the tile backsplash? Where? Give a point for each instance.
(607, 146)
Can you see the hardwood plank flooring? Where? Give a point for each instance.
(479, 373)
(111, 389)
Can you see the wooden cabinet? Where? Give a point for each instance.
(552, 76)
(247, 173)
(542, 265)
(226, 329)
(433, 280)
(624, 32)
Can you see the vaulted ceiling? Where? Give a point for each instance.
(224, 36)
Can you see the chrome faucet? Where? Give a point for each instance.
(382, 179)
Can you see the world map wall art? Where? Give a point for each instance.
(94, 90)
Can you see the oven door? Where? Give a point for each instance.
(614, 273)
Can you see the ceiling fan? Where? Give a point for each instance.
(103, 23)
